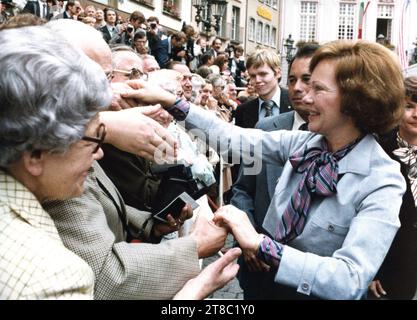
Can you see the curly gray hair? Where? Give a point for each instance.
(49, 91)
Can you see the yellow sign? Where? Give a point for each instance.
(264, 13)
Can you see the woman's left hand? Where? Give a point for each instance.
(376, 289)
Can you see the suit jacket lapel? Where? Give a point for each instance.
(252, 114)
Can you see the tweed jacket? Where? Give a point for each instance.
(347, 235)
(90, 226)
(34, 263)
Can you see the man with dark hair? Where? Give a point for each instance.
(216, 46)
(70, 10)
(253, 194)
(110, 31)
(237, 65)
(154, 33)
(171, 48)
(139, 42)
(127, 30)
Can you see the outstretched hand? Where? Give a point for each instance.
(213, 277)
(146, 94)
(131, 131)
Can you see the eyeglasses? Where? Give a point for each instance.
(133, 73)
(101, 134)
(109, 75)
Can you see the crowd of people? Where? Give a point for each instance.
(316, 182)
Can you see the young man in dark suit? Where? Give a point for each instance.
(264, 71)
(264, 68)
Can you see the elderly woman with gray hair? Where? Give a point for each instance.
(50, 95)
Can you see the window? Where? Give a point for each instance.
(259, 30)
(274, 37)
(145, 2)
(385, 15)
(386, 11)
(275, 4)
(308, 21)
(235, 23)
(172, 7)
(346, 20)
(223, 28)
(251, 29)
(266, 34)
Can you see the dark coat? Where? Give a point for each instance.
(247, 114)
(398, 273)
(240, 67)
(33, 8)
(132, 177)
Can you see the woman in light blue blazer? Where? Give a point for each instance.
(335, 209)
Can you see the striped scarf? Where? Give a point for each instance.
(320, 175)
(407, 154)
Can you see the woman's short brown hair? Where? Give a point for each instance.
(370, 80)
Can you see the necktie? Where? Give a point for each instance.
(267, 105)
(44, 11)
(303, 127)
(320, 175)
(407, 154)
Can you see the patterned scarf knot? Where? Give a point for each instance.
(407, 154)
(319, 168)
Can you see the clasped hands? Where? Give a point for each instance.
(245, 234)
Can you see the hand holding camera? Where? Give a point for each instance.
(129, 28)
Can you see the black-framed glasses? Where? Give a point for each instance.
(133, 73)
(101, 134)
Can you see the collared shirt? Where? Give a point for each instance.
(34, 263)
(298, 121)
(112, 30)
(43, 9)
(275, 110)
(169, 46)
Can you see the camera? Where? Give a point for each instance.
(153, 25)
(129, 28)
(176, 179)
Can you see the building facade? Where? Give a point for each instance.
(231, 24)
(171, 13)
(390, 22)
(262, 24)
